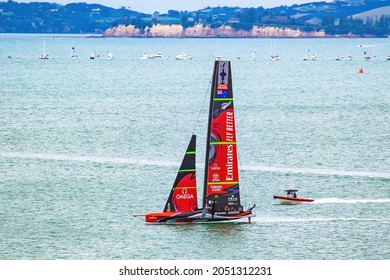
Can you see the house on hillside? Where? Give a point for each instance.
(233, 20)
(94, 12)
(352, 2)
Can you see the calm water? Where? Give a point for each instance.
(84, 144)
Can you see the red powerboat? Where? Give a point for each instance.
(291, 198)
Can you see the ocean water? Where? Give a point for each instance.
(85, 144)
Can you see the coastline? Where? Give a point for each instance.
(225, 31)
(200, 31)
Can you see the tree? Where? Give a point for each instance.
(248, 15)
(328, 20)
(173, 13)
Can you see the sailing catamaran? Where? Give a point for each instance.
(221, 192)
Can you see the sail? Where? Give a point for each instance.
(221, 186)
(183, 197)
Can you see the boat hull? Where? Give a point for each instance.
(292, 200)
(193, 217)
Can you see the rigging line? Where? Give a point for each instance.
(242, 180)
(201, 107)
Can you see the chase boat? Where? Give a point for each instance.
(291, 198)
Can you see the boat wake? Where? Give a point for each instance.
(146, 162)
(272, 219)
(349, 201)
(314, 171)
(93, 159)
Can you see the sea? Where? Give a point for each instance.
(87, 143)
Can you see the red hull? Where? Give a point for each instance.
(292, 200)
(193, 217)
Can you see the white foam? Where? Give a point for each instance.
(349, 201)
(112, 160)
(328, 172)
(274, 219)
(137, 161)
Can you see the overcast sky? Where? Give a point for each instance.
(162, 6)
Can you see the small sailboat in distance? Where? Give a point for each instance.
(45, 55)
(273, 55)
(252, 56)
(310, 56)
(221, 192)
(95, 55)
(73, 55)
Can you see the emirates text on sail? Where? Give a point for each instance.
(230, 148)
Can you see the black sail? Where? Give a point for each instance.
(183, 196)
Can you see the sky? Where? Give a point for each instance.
(162, 6)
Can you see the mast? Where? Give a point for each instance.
(213, 87)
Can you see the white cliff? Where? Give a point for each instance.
(200, 31)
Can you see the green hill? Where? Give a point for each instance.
(352, 17)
